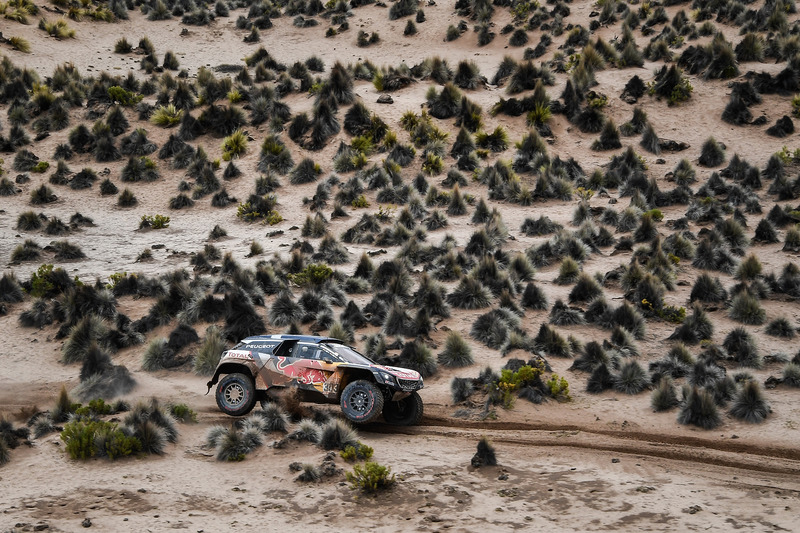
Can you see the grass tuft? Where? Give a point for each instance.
(749, 403)
(699, 409)
(457, 352)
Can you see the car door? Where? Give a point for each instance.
(313, 366)
(279, 368)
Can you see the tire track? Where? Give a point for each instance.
(728, 453)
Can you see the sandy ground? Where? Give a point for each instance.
(600, 462)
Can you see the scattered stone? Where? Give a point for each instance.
(295, 466)
(614, 460)
(86, 523)
(669, 145)
(694, 509)
(385, 99)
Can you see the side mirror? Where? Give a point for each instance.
(327, 360)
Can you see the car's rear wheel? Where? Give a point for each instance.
(361, 401)
(236, 394)
(406, 412)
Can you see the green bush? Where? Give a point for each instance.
(183, 413)
(511, 381)
(361, 201)
(40, 167)
(371, 477)
(166, 116)
(40, 281)
(313, 274)
(154, 222)
(234, 145)
(559, 388)
(122, 97)
(95, 408)
(432, 165)
(361, 452)
(85, 439)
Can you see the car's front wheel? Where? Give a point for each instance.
(406, 412)
(236, 394)
(361, 401)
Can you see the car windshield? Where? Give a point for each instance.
(348, 354)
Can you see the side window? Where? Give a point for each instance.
(287, 348)
(307, 351)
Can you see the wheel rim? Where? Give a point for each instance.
(234, 394)
(359, 401)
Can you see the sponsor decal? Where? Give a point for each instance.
(302, 373)
(402, 373)
(239, 354)
(257, 346)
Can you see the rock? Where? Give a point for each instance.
(385, 99)
(669, 145)
(615, 460)
(86, 523)
(41, 527)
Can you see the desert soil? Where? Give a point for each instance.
(599, 462)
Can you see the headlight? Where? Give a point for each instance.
(387, 378)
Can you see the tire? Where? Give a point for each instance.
(361, 401)
(236, 394)
(406, 412)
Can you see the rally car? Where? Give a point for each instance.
(323, 370)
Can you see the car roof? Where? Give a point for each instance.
(300, 338)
